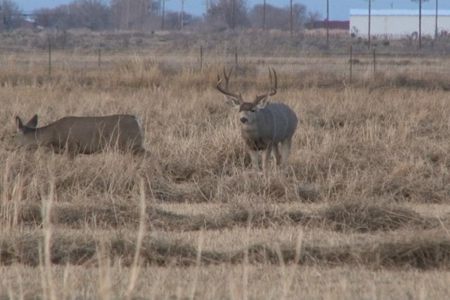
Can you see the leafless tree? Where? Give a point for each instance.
(11, 15)
(312, 17)
(264, 15)
(133, 14)
(173, 20)
(291, 17)
(92, 14)
(277, 18)
(58, 17)
(233, 13)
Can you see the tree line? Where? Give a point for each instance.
(151, 15)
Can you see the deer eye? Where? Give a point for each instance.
(253, 110)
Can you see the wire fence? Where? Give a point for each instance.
(351, 64)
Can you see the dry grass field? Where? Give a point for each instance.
(362, 211)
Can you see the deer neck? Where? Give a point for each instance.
(252, 138)
(43, 135)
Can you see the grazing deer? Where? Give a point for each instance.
(85, 135)
(264, 125)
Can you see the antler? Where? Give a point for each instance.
(273, 88)
(225, 90)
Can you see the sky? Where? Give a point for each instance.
(339, 9)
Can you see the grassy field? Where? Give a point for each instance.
(360, 213)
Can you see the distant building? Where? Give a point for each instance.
(345, 25)
(394, 23)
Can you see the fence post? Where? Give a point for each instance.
(374, 62)
(49, 57)
(99, 57)
(351, 64)
(201, 58)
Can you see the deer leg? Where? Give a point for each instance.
(254, 156)
(266, 156)
(72, 148)
(276, 154)
(285, 150)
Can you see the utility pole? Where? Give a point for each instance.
(291, 21)
(182, 15)
(264, 15)
(420, 24)
(436, 33)
(370, 15)
(233, 14)
(128, 15)
(328, 23)
(163, 8)
(420, 19)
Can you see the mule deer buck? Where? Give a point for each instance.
(84, 135)
(264, 125)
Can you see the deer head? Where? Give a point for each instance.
(247, 110)
(25, 135)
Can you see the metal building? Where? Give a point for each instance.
(395, 23)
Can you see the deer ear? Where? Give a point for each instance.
(236, 103)
(32, 122)
(19, 123)
(261, 103)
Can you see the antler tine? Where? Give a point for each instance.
(225, 90)
(273, 88)
(227, 76)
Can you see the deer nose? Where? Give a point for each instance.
(244, 120)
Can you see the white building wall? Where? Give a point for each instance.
(400, 25)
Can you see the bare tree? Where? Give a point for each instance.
(420, 19)
(276, 17)
(11, 15)
(231, 12)
(58, 17)
(298, 12)
(171, 20)
(291, 16)
(163, 13)
(182, 15)
(311, 19)
(92, 14)
(264, 15)
(133, 14)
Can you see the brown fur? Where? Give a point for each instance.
(84, 135)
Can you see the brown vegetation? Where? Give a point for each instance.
(361, 207)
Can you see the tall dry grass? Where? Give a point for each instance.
(367, 187)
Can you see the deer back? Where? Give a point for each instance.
(88, 134)
(92, 134)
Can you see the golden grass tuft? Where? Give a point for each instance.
(428, 252)
(368, 218)
(366, 187)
